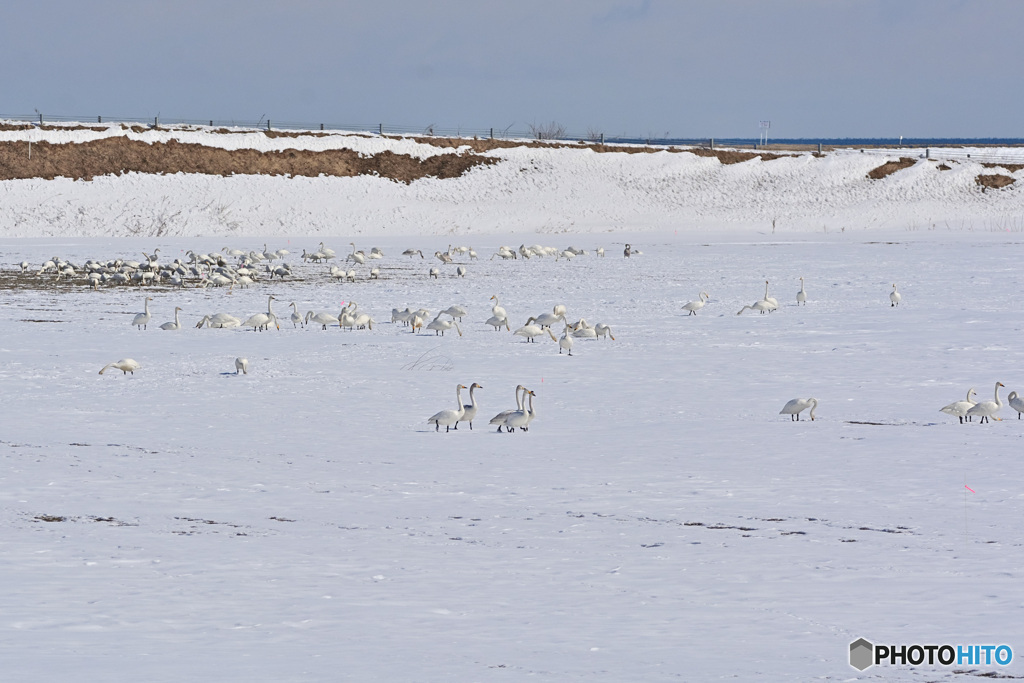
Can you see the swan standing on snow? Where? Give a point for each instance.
(496, 322)
(296, 317)
(499, 419)
(520, 418)
(531, 331)
(496, 310)
(243, 365)
(960, 408)
(461, 271)
(142, 319)
(470, 408)
(412, 252)
(322, 319)
(1016, 403)
(627, 251)
(438, 325)
(801, 296)
(175, 325)
(759, 306)
(125, 365)
(797, 406)
(565, 342)
(263, 320)
(986, 409)
(449, 417)
(770, 299)
(456, 311)
(434, 272)
(894, 296)
(694, 306)
(601, 330)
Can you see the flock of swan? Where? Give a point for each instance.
(214, 269)
(351, 318)
(519, 417)
(236, 267)
(968, 409)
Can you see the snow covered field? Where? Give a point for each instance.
(529, 191)
(660, 521)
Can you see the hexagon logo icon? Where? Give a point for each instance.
(861, 654)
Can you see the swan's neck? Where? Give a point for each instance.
(531, 411)
(458, 396)
(998, 402)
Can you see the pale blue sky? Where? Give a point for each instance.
(842, 68)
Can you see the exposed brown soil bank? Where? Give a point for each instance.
(994, 180)
(890, 168)
(114, 156)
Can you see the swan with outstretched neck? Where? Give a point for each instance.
(449, 417)
(142, 319)
(987, 409)
(470, 408)
(500, 418)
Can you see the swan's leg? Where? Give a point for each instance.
(437, 426)
(471, 426)
(499, 429)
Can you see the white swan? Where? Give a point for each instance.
(456, 311)
(960, 408)
(263, 320)
(449, 417)
(243, 365)
(496, 310)
(694, 306)
(531, 413)
(759, 306)
(412, 252)
(801, 296)
(496, 322)
(221, 320)
(125, 365)
(601, 330)
(770, 299)
(1016, 403)
(443, 257)
(520, 418)
(531, 331)
(559, 310)
(321, 319)
(296, 317)
(434, 272)
(175, 325)
(986, 409)
(470, 408)
(797, 406)
(546, 319)
(894, 296)
(627, 251)
(438, 325)
(565, 342)
(357, 256)
(142, 319)
(499, 419)
(461, 271)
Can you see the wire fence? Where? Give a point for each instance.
(945, 148)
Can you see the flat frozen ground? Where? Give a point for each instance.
(660, 521)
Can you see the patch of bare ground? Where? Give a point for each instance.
(114, 156)
(994, 181)
(890, 167)
(481, 145)
(1012, 168)
(943, 167)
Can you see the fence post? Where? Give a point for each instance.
(712, 143)
(602, 138)
(492, 133)
(927, 153)
(211, 123)
(40, 120)
(380, 129)
(268, 124)
(321, 126)
(819, 148)
(99, 119)
(156, 121)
